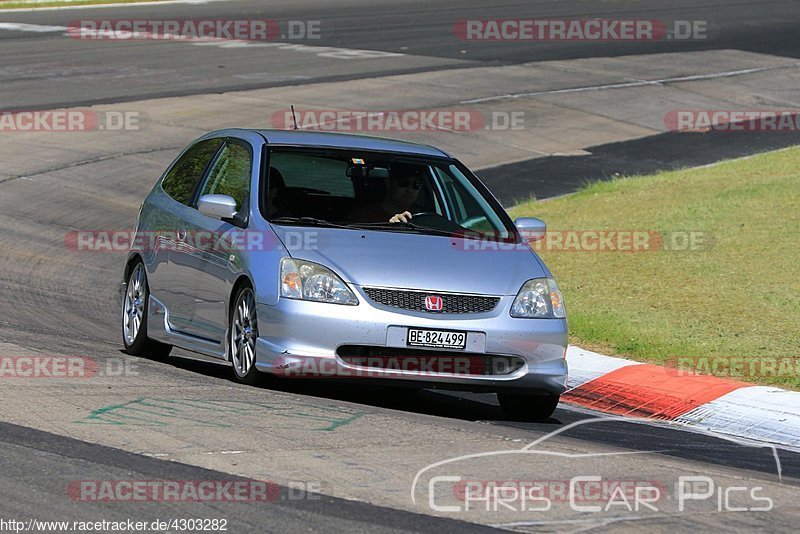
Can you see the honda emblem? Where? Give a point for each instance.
(434, 303)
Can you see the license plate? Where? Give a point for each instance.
(445, 339)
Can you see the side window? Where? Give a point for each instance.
(230, 174)
(462, 204)
(181, 180)
(468, 207)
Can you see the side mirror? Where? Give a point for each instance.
(532, 229)
(217, 206)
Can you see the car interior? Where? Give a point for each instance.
(333, 199)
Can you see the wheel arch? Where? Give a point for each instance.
(242, 281)
(133, 259)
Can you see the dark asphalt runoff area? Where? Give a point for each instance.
(552, 176)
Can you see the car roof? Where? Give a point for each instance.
(347, 141)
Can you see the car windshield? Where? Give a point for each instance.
(351, 189)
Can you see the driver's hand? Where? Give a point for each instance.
(401, 217)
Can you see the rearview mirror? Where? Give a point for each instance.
(531, 228)
(378, 172)
(217, 206)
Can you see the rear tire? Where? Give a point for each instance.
(242, 336)
(135, 304)
(523, 407)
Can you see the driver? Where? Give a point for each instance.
(402, 188)
(276, 193)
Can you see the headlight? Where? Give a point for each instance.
(305, 280)
(539, 299)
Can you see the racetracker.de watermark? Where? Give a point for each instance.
(592, 241)
(44, 367)
(593, 30)
(737, 367)
(122, 241)
(376, 366)
(231, 241)
(739, 120)
(194, 29)
(72, 120)
(190, 491)
(409, 120)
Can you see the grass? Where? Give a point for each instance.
(739, 298)
(11, 4)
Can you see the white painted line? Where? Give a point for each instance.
(33, 9)
(320, 51)
(623, 85)
(36, 28)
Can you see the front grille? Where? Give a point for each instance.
(415, 300)
(429, 361)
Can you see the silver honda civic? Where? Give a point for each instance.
(320, 255)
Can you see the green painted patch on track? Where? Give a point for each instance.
(148, 411)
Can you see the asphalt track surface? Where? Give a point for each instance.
(45, 70)
(29, 456)
(52, 304)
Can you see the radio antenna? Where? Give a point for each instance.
(294, 117)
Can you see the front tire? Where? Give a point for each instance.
(243, 333)
(135, 304)
(523, 407)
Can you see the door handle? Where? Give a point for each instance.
(180, 235)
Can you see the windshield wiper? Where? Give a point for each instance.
(307, 221)
(313, 221)
(404, 225)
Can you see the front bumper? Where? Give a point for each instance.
(299, 335)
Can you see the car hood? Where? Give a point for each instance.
(415, 261)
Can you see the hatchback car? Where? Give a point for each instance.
(323, 255)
